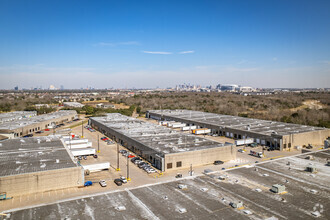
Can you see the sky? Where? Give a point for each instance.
(158, 43)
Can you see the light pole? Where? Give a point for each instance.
(128, 179)
(82, 129)
(70, 140)
(98, 144)
(118, 169)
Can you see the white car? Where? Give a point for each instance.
(123, 179)
(103, 183)
(151, 170)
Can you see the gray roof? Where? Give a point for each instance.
(206, 197)
(34, 120)
(28, 155)
(263, 127)
(18, 115)
(155, 137)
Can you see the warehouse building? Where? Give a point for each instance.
(276, 135)
(25, 126)
(30, 165)
(15, 116)
(165, 148)
(73, 104)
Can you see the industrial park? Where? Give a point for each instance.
(162, 110)
(198, 163)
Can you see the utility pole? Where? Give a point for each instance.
(98, 144)
(118, 169)
(190, 170)
(127, 177)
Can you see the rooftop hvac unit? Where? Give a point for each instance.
(278, 188)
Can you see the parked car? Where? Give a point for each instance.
(218, 162)
(95, 156)
(241, 150)
(123, 179)
(103, 183)
(131, 156)
(178, 175)
(88, 183)
(151, 170)
(39, 132)
(137, 162)
(123, 151)
(85, 157)
(79, 157)
(118, 182)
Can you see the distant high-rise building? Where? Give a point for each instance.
(16, 88)
(62, 87)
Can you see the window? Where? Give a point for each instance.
(179, 164)
(169, 165)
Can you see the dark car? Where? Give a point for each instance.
(218, 162)
(118, 182)
(95, 155)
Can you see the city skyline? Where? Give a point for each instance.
(273, 44)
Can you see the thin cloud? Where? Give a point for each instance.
(109, 44)
(275, 59)
(157, 52)
(185, 52)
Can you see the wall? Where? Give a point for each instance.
(200, 157)
(41, 181)
(315, 138)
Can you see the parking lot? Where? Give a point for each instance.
(306, 195)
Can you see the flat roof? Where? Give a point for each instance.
(17, 115)
(207, 197)
(28, 155)
(263, 127)
(34, 120)
(155, 137)
(73, 104)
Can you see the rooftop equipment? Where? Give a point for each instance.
(278, 188)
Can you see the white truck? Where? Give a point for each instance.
(97, 167)
(77, 141)
(187, 128)
(244, 141)
(83, 145)
(202, 131)
(178, 125)
(256, 154)
(83, 152)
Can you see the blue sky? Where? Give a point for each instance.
(125, 44)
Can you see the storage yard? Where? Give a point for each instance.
(164, 148)
(275, 135)
(29, 125)
(211, 196)
(33, 165)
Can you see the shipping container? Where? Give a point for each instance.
(83, 152)
(187, 128)
(244, 141)
(97, 167)
(77, 146)
(78, 141)
(202, 131)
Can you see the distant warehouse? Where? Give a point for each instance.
(15, 116)
(25, 126)
(165, 148)
(30, 165)
(276, 135)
